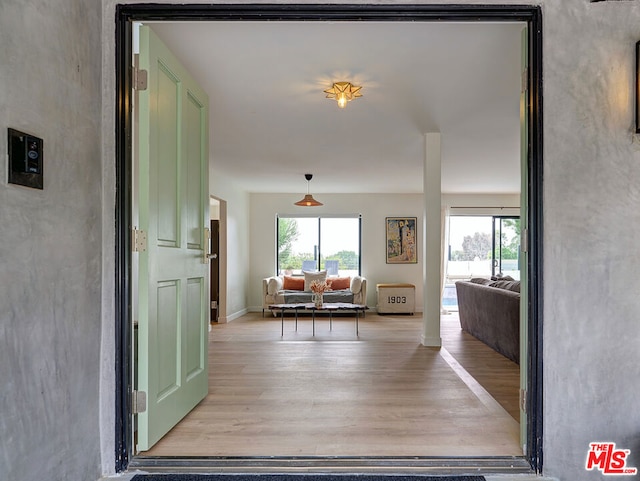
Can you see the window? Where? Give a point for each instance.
(318, 243)
(480, 246)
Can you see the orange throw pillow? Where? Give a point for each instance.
(293, 283)
(339, 283)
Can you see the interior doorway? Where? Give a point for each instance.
(381, 13)
(214, 259)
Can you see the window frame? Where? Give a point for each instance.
(319, 217)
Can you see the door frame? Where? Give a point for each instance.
(493, 240)
(128, 13)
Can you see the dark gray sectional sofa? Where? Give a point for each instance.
(490, 311)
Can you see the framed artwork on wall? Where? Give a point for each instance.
(401, 240)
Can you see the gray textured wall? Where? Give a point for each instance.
(592, 223)
(592, 226)
(50, 247)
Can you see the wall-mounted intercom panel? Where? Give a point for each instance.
(25, 159)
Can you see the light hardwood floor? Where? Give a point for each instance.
(380, 393)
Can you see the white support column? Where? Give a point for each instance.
(432, 242)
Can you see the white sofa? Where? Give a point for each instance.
(273, 292)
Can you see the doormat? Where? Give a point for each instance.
(300, 477)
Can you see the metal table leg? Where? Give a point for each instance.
(281, 322)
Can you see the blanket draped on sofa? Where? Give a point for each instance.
(295, 297)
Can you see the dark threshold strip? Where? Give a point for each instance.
(300, 477)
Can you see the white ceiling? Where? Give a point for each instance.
(271, 123)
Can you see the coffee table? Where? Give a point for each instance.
(331, 307)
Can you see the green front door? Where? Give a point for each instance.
(172, 201)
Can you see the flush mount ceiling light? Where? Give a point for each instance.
(343, 92)
(308, 200)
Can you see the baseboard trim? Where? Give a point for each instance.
(233, 317)
(431, 341)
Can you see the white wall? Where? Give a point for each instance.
(374, 208)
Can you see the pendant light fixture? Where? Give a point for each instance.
(308, 200)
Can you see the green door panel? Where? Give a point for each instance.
(172, 198)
